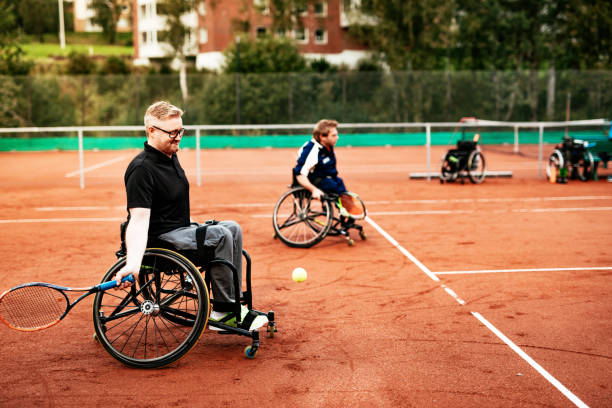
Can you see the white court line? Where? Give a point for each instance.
(497, 211)
(80, 208)
(541, 210)
(531, 362)
(453, 294)
(122, 207)
(402, 249)
(594, 268)
(45, 220)
(503, 200)
(95, 166)
(498, 333)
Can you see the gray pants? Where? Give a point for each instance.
(226, 239)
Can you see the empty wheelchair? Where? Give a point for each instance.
(465, 160)
(570, 159)
(301, 222)
(161, 317)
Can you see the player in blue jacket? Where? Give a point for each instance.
(316, 164)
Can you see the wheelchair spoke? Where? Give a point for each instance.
(300, 221)
(171, 309)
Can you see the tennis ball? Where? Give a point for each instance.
(299, 275)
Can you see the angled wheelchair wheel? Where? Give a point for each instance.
(299, 221)
(476, 167)
(160, 318)
(554, 165)
(448, 171)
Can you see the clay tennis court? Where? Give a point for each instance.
(496, 294)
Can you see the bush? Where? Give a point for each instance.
(80, 64)
(114, 65)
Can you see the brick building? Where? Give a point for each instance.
(214, 25)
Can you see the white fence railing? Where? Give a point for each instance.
(427, 126)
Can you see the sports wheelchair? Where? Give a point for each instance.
(466, 159)
(301, 222)
(161, 317)
(571, 158)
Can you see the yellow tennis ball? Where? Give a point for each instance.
(299, 275)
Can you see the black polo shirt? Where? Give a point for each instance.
(156, 181)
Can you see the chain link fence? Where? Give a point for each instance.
(350, 97)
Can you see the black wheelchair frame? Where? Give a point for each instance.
(160, 319)
(301, 222)
(465, 159)
(570, 159)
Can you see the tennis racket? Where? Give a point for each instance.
(38, 305)
(350, 205)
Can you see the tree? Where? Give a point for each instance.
(405, 33)
(107, 14)
(176, 34)
(11, 62)
(584, 34)
(267, 54)
(39, 17)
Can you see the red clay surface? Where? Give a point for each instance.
(368, 327)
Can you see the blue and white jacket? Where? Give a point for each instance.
(316, 162)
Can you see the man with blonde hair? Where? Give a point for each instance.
(158, 209)
(316, 165)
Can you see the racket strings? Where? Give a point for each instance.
(353, 206)
(32, 307)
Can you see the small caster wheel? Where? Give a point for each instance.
(441, 181)
(95, 337)
(275, 236)
(249, 352)
(350, 242)
(363, 235)
(271, 331)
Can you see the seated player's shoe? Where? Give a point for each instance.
(249, 320)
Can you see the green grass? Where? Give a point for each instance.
(46, 50)
(79, 42)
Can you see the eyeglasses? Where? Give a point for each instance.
(173, 134)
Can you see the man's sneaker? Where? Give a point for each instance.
(229, 319)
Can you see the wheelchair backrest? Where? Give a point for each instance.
(466, 145)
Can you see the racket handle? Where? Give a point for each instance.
(113, 283)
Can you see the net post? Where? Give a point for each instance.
(540, 151)
(428, 148)
(516, 139)
(81, 161)
(199, 175)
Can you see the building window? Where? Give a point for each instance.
(260, 32)
(320, 9)
(143, 37)
(202, 8)
(143, 11)
(281, 33)
(203, 36)
(320, 36)
(301, 35)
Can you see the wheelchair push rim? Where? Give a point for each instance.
(476, 167)
(299, 221)
(554, 165)
(157, 320)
